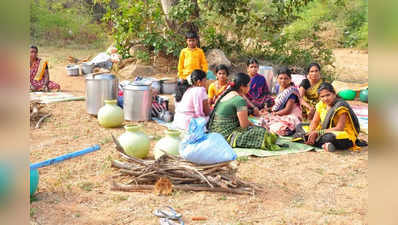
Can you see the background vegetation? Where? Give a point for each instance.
(280, 31)
(67, 23)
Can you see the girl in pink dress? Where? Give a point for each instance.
(191, 100)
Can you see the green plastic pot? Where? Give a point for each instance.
(34, 181)
(347, 94)
(134, 142)
(363, 95)
(170, 144)
(110, 115)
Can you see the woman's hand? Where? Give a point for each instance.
(311, 112)
(312, 135)
(256, 111)
(264, 111)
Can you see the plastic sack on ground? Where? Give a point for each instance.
(205, 148)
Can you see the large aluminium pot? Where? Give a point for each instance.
(99, 87)
(168, 86)
(137, 102)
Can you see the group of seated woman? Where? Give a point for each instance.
(230, 101)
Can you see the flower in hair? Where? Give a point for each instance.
(189, 80)
(232, 84)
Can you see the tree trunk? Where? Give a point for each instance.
(184, 27)
(166, 6)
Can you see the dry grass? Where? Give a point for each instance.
(307, 188)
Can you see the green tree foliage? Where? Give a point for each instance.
(64, 23)
(284, 31)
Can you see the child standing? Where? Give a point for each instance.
(191, 57)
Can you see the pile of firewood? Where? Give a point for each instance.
(37, 116)
(180, 174)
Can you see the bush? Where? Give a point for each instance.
(347, 18)
(355, 23)
(53, 24)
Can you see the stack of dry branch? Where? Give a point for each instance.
(184, 175)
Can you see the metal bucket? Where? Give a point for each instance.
(87, 67)
(99, 87)
(137, 102)
(168, 86)
(72, 70)
(156, 85)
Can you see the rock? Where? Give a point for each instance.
(216, 57)
(239, 68)
(134, 70)
(136, 48)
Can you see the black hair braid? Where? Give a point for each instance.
(213, 112)
(182, 86)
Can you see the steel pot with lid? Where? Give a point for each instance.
(87, 67)
(168, 86)
(137, 102)
(100, 87)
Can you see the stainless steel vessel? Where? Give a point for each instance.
(87, 67)
(137, 101)
(99, 87)
(168, 86)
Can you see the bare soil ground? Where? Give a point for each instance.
(306, 188)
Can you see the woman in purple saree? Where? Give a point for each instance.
(258, 95)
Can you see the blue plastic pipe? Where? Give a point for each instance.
(64, 157)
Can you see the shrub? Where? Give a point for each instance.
(53, 23)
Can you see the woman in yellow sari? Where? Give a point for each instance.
(39, 76)
(219, 86)
(308, 90)
(334, 126)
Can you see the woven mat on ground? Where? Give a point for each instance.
(50, 97)
(293, 147)
(362, 113)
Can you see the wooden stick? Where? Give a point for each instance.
(41, 120)
(123, 187)
(35, 112)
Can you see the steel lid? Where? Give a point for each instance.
(138, 86)
(103, 76)
(169, 80)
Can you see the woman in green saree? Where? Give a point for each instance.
(230, 118)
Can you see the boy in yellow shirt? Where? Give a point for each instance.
(191, 58)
